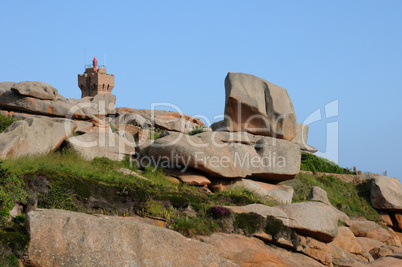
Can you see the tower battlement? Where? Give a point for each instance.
(95, 81)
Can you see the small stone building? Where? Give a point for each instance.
(95, 81)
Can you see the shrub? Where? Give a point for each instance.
(277, 230)
(313, 163)
(6, 121)
(191, 226)
(217, 212)
(352, 199)
(249, 223)
(11, 186)
(198, 129)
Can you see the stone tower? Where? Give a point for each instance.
(95, 81)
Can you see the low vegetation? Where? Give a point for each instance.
(313, 163)
(63, 180)
(6, 121)
(350, 198)
(198, 129)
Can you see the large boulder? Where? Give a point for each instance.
(386, 193)
(38, 90)
(67, 238)
(314, 219)
(86, 108)
(257, 106)
(374, 231)
(102, 144)
(34, 136)
(319, 194)
(222, 154)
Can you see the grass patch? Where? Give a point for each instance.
(313, 163)
(6, 121)
(198, 129)
(352, 199)
(154, 133)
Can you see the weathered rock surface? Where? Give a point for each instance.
(379, 252)
(280, 193)
(314, 219)
(191, 178)
(309, 218)
(347, 241)
(317, 250)
(386, 261)
(97, 144)
(86, 108)
(318, 194)
(257, 106)
(34, 136)
(260, 209)
(386, 193)
(341, 257)
(368, 244)
(217, 155)
(245, 251)
(38, 90)
(301, 138)
(165, 120)
(67, 238)
(374, 231)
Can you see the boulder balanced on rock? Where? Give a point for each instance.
(257, 106)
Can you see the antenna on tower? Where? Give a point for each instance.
(85, 56)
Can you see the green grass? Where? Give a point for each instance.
(6, 121)
(14, 241)
(350, 198)
(198, 129)
(313, 163)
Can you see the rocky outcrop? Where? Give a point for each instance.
(38, 90)
(314, 219)
(308, 218)
(67, 238)
(34, 136)
(257, 106)
(165, 120)
(244, 251)
(220, 155)
(27, 98)
(97, 144)
(386, 193)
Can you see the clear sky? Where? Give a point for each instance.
(180, 52)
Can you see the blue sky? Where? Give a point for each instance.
(181, 51)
